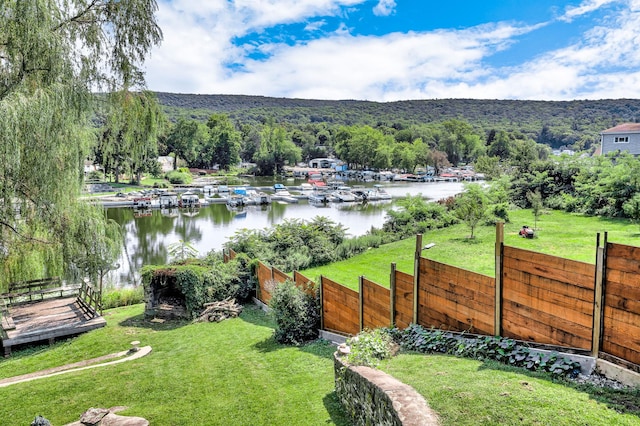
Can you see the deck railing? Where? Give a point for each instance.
(90, 300)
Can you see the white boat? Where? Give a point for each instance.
(284, 195)
(381, 193)
(189, 199)
(236, 201)
(306, 187)
(344, 195)
(318, 197)
(259, 198)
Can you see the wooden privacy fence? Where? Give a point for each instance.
(621, 307)
(534, 297)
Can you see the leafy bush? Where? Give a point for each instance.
(117, 297)
(507, 351)
(179, 178)
(205, 280)
(296, 313)
(369, 347)
(417, 216)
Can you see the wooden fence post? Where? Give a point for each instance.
(598, 305)
(416, 277)
(321, 302)
(497, 320)
(361, 301)
(392, 295)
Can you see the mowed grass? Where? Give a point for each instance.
(572, 236)
(467, 392)
(231, 372)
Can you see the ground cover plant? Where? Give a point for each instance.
(568, 235)
(231, 372)
(471, 392)
(508, 351)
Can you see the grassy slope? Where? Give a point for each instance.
(561, 234)
(469, 392)
(208, 373)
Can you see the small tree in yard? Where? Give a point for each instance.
(296, 312)
(471, 206)
(535, 199)
(631, 208)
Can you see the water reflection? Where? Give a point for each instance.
(148, 235)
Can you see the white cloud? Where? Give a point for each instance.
(384, 8)
(315, 26)
(587, 6)
(199, 56)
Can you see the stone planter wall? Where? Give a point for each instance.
(372, 397)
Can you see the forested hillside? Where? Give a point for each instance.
(555, 123)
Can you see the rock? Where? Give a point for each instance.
(107, 417)
(40, 421)
(93, 416)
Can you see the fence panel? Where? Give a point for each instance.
(621, 331)
(280, 276)
(303, 282)
(376, 305)
(404, 299)
(264, 280)
(232, 254)
(451, 298)
(340, 310)
(547, 299)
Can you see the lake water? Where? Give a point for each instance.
(147, 237)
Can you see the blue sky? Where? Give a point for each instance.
(388, 50)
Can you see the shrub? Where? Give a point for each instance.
(369, 347)
(296, 313)
(179, 178)
(507, 351)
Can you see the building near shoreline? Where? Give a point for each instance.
(623, 137)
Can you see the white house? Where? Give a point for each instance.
(623, 137)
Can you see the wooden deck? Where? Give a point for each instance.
(45, 321)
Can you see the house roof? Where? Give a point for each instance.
(624, 128)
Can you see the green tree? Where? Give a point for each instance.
(275, 150)
(501, 146)
(632, 208)
(130, 139)
(489, 166)
(183, 141)
(471, 206)
(51, 55)
(225, 140)
(535, 200)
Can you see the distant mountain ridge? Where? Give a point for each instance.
(574, 119)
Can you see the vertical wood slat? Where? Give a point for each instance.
(321, 304)
(392, 296)
(597, 302)
(403, 305)
(361, 302)
(497, 321)
(416, 277)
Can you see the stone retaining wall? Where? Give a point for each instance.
(372, 397)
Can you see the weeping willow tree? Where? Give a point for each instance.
(129, 142)
(53, 54)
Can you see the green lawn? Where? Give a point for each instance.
(224, 373)
(561, 234)
(469, 392)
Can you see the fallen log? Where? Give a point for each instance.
(219, 311)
